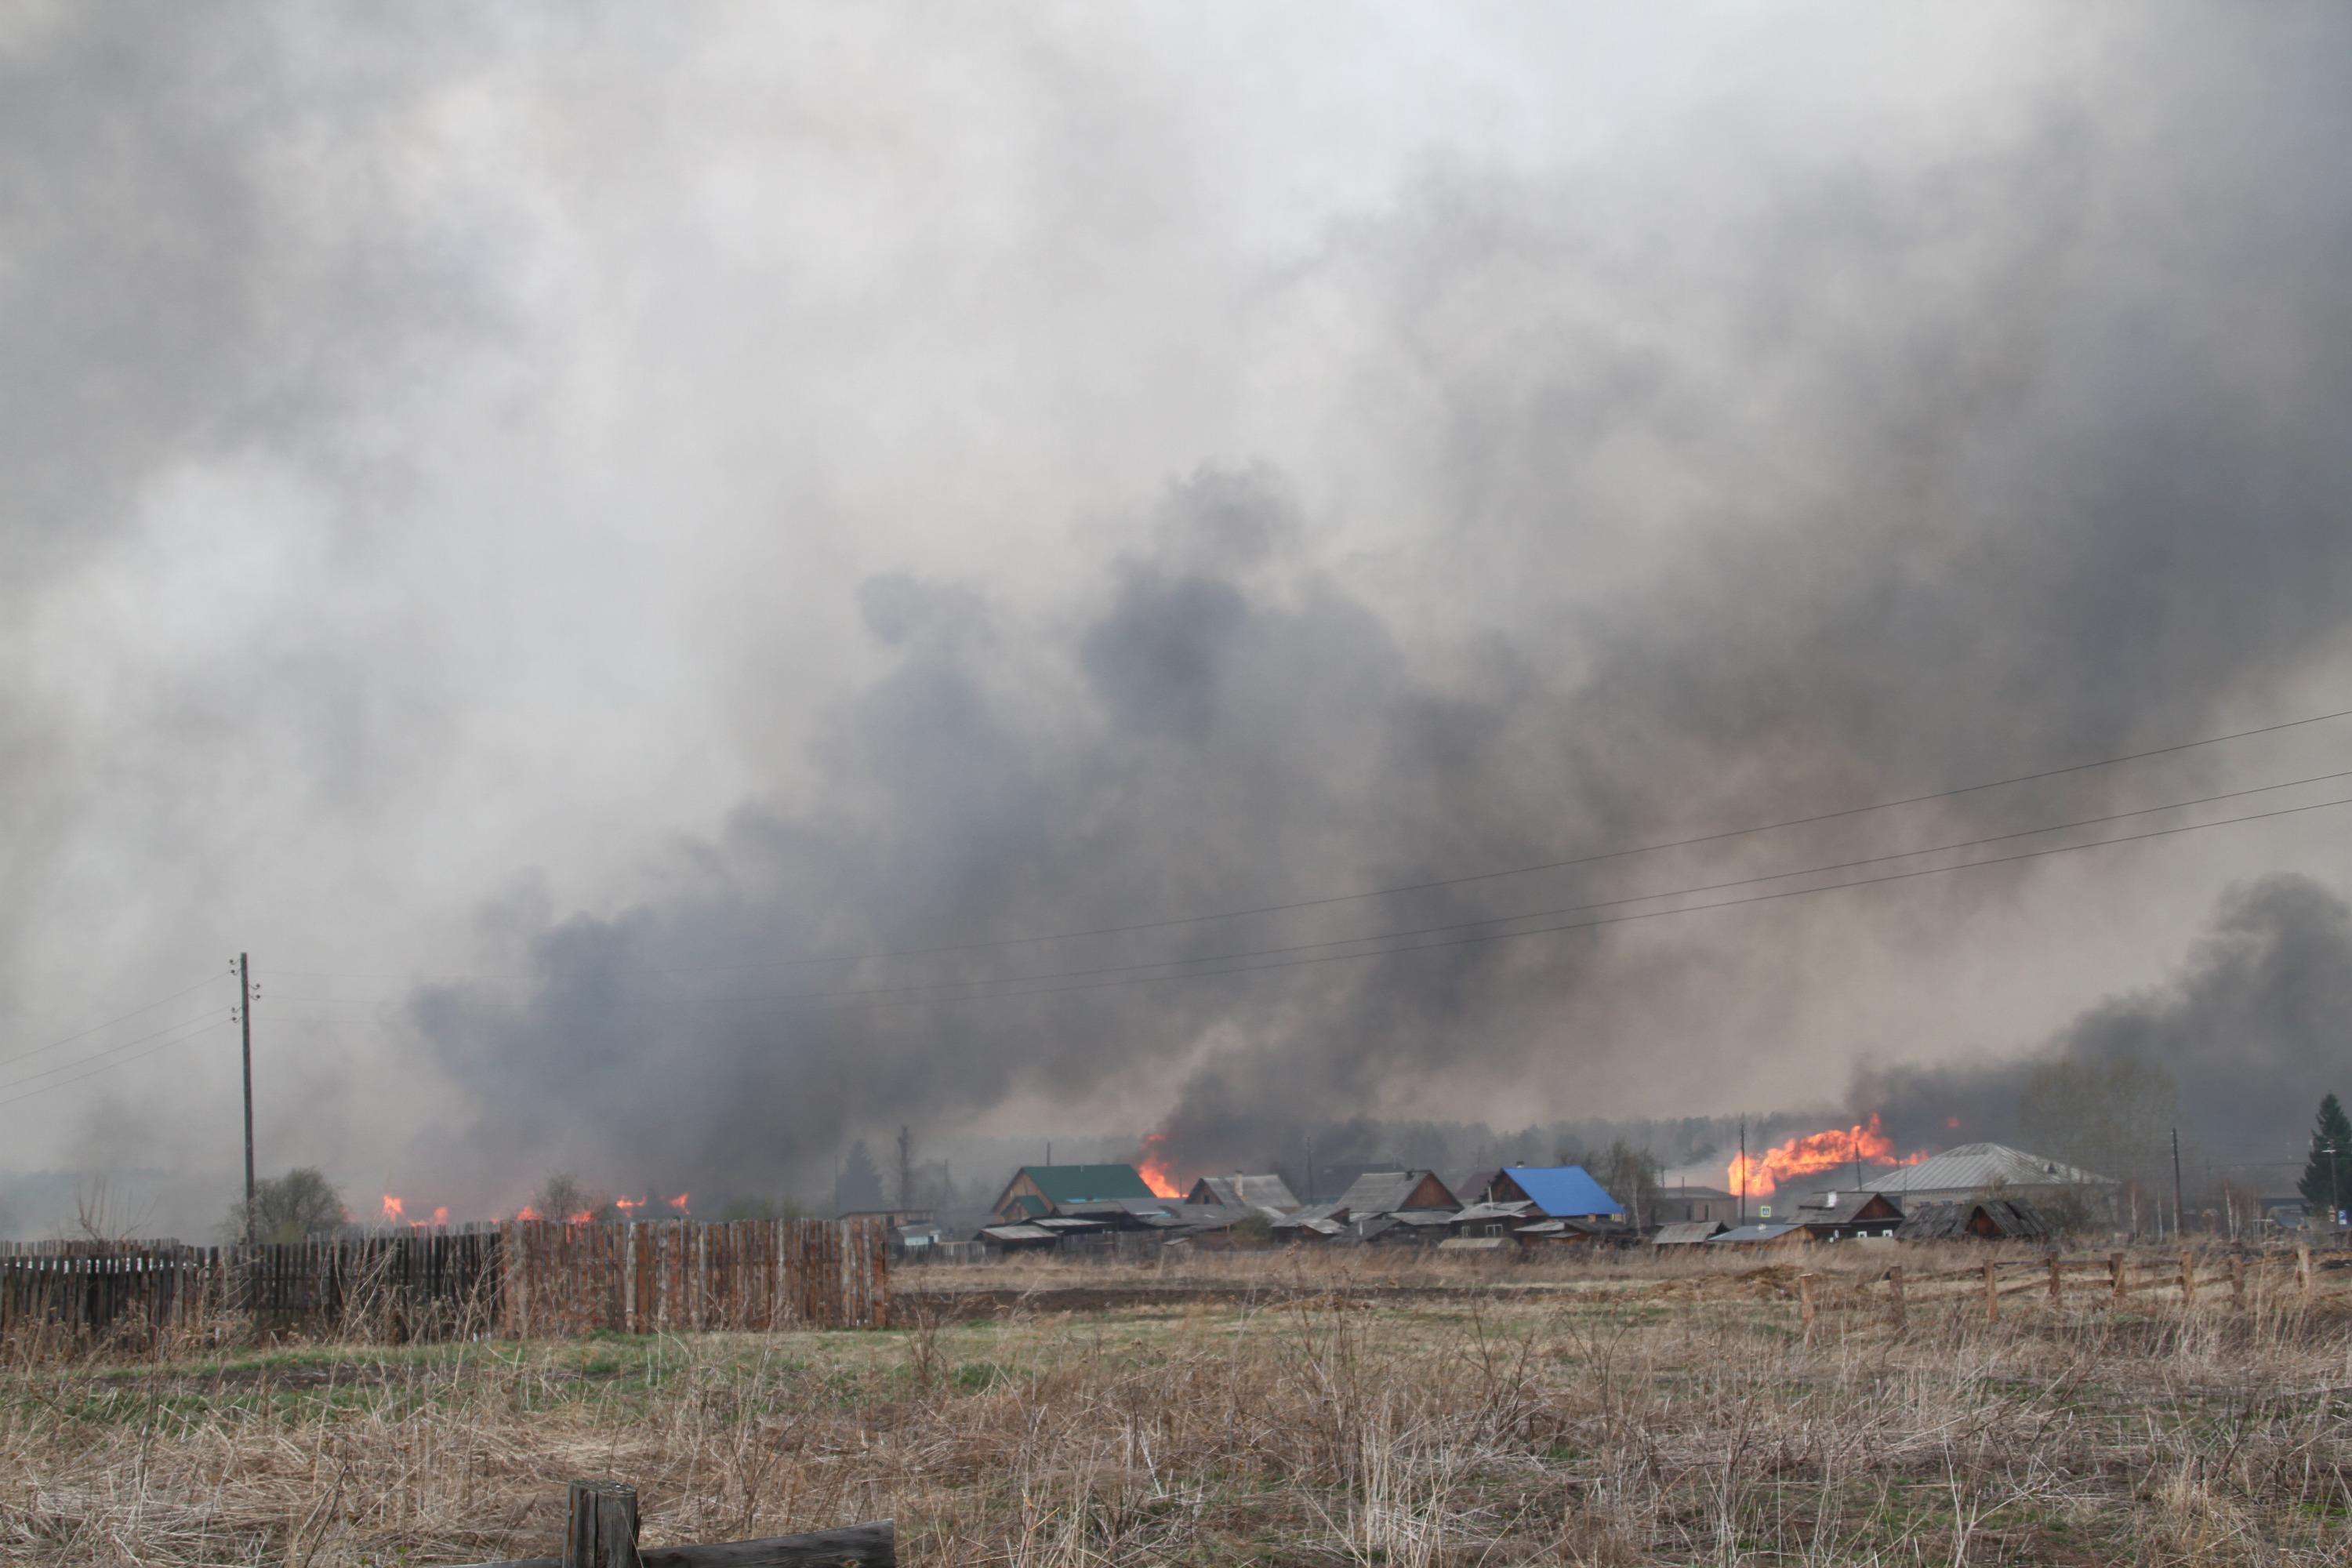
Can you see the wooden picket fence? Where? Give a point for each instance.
(521, 1280)
(683, 1275)
(79, 1291)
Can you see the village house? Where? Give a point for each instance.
(1268, 1194)
(1848, 1216)
(1558, 1192)
(1989, 1170)
(1684, 1204)
(1036, 1191)
(1384, 1207)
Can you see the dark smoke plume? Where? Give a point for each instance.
(2033, 452)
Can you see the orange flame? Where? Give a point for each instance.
(441, 1215)
(526, 1212)
(393, 1209)
(678, 1202)
(1813, 1154)
(1155, 1169)
(625, 1205)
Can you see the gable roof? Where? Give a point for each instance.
(1087, 1183)
(2008, 1218)
(1386, 1191)
(1236, 1192)
(1562, 1190)
(1973, 1167)
(1845, 1207)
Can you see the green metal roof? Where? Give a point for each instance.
(1087, 1183)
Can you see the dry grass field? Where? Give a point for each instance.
(1345, 1409)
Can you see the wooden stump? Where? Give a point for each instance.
(2116, 1280)
(603, 1529)
(2057, 1289)
(2187, 1280)
(2237, 1282)
(1992, 1292)
(1894, 1296)
(2302, 1270)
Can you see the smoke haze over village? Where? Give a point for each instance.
(708, 584)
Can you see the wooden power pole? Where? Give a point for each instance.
(244, 1018)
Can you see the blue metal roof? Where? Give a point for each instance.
(1563, 1190)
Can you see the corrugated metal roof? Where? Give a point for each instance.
(1687, 1233)
(1084, 1184)
(1747, 1234)
(1975, 1167)
(1015, 1233)
(1562, 1190)
(1238, 1191)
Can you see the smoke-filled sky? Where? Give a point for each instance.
(565, 529)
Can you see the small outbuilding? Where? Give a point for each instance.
(1688, 1232)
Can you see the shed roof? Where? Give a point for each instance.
(1748, 1235)
(1687, 1232)
(1015, 1233)
(1975, 1167)
(1562, 1190)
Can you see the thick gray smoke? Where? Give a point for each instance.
(696, 594)
(2235, 1050)
(2029, 453)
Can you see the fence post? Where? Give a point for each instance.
(2057, 1290)
(2116, 1280)
(1895, 1295)
(2187, 1280)
(2303, 1269)
(2237, 1281)
(1992, 1292)
(1805, 1304)
(603, 1529)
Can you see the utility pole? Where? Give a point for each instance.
(1743, 1169)
(906, 1167)
(2178, 1212)
(244, 1018)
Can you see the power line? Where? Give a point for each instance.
(94, 1028)
(1695, 908)
(211, 1015)
(108, 1067)
(903, 995)
(1595, 857)
(1575, 909)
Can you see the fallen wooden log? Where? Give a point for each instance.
(601, 1526)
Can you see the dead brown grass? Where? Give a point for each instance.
(1354, 1409)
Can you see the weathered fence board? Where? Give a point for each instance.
(526, 1279)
